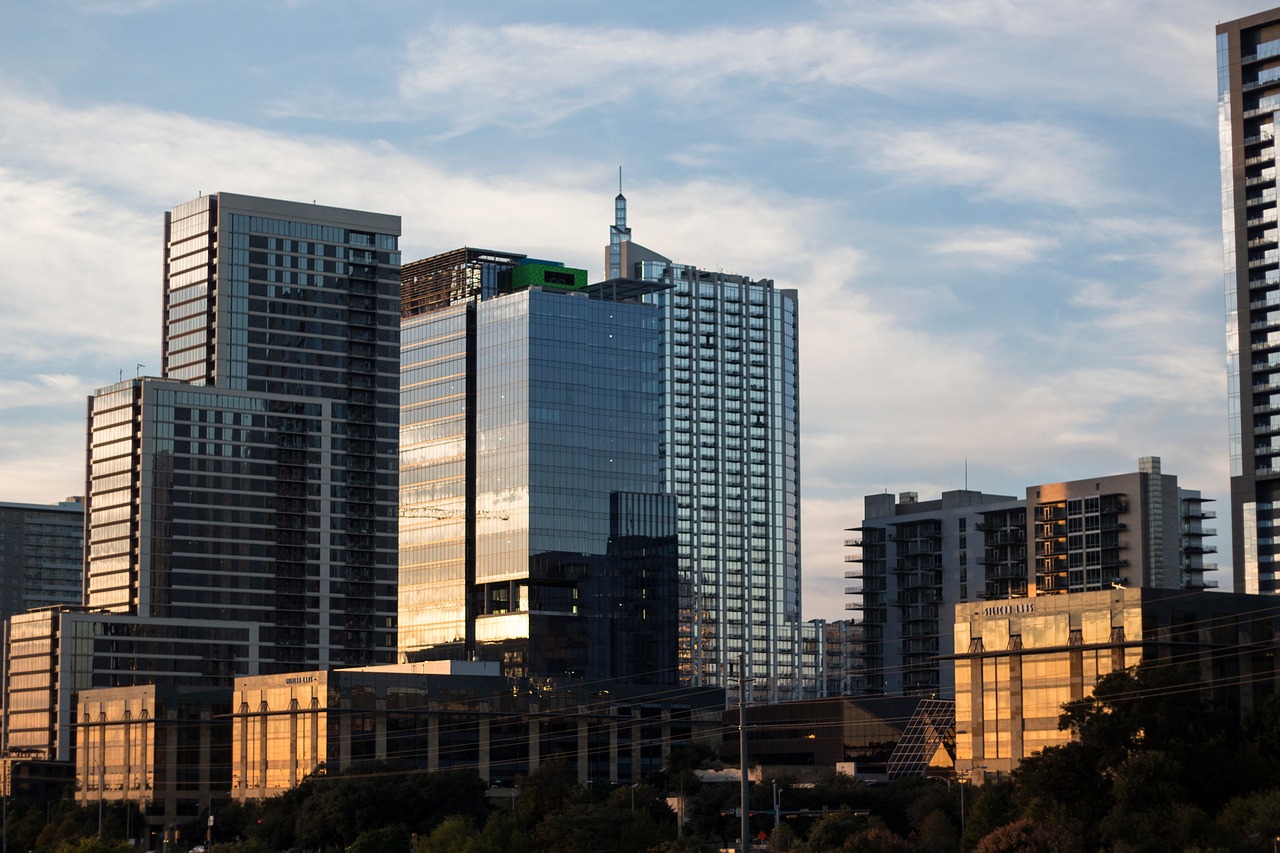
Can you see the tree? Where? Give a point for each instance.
(389, 839)
(1022, 836)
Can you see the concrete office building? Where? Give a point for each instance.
(534, 530)
(161, 749)
(457, 715)
(1248, 99)
(41, 555)
(731, 457)
(1018, 661)
(54, 653)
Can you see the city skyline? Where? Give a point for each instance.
(1004, 262)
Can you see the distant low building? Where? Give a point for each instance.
(442, 715)
(876, 737)
(162, 749)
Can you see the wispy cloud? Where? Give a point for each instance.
(1021, 162)
(994, 248)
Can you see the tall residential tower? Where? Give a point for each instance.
(731, 457)
(256, 481)
(1248, 101)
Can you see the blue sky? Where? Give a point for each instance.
(1001, 217)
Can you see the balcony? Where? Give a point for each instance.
(1266, 155)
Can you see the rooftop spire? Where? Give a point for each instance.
(619, 233)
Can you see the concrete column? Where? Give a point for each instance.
(613, 750)
(535, 742)
(294, 711)
(433, 740)
(344, 735)
(1015, 708)
(637, 733)
(380, 729)
(977, 731)
(482, 759)
(263, 762)
(584, 744)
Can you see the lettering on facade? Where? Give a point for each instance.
(1009, 609)
(300, 679)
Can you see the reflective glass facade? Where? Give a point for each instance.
(533, 529)
(1248, 101)
(256, 481)
(731, 423)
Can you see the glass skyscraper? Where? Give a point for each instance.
(731, 458)
(256, 481)
(534, 530)
(1248, 102)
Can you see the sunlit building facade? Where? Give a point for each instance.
(1017, 661)
(731, 457)
(1248, 100)
(162, 750)
(457, 715)
(534, 530)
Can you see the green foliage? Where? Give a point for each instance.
(990, 806)
(603, 828)
(388, 839)
(453, 835)
(1253, 816)
(831, 831)
(877, 839)
(93, 845)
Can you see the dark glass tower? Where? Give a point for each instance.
(256, 481)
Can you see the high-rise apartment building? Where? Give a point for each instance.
(41, 555)
(731, 457)
(534, 530)
(256, 481)
(1132, 530)
(1248, 100)
(919, 559)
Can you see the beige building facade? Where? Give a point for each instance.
(1018, 661)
